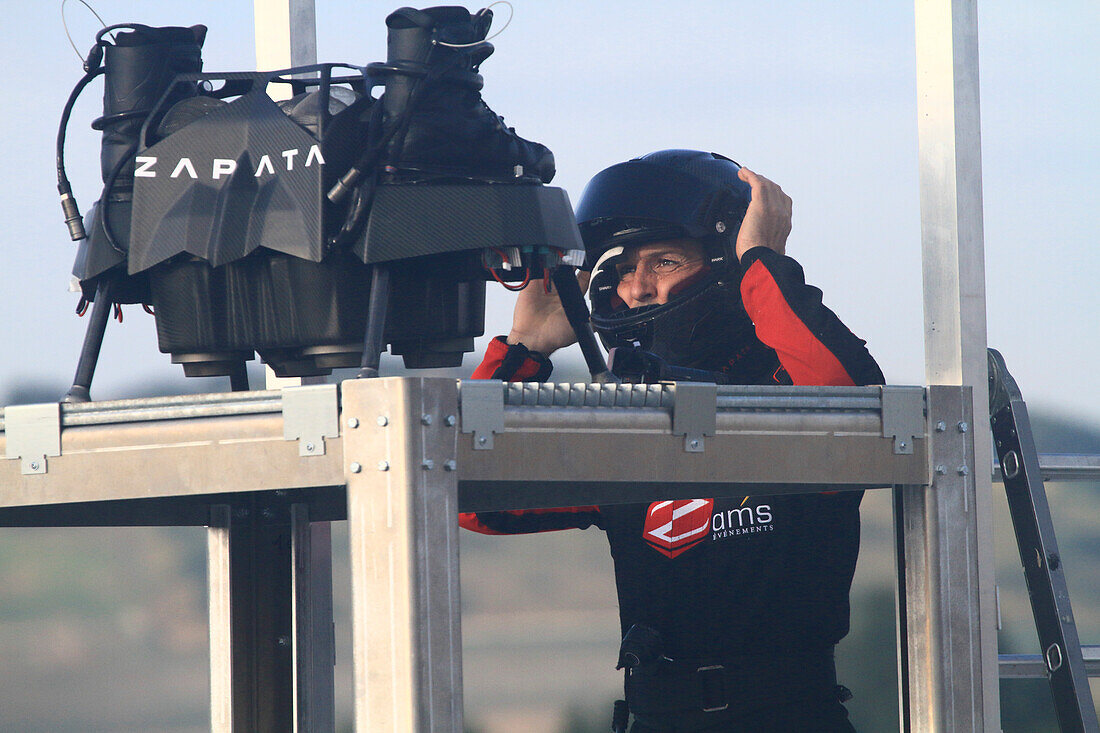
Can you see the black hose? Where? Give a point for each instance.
(374, 340)
(117, 27)
(572, 302)
(65, 114)
(92, 68)
(99, 123)
(69, 206)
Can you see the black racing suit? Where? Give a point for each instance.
(753, 590)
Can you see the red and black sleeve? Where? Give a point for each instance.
(529, 521)
(813, 345)
(515, 363)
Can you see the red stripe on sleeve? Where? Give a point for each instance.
(527, 370)
(806, 359)
(470, 521)
(494, 355)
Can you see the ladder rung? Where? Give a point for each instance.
(1063, 467)
(1032, 665)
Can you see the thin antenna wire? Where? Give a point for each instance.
(65, 25)
(511, 14)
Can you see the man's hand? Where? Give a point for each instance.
(538, 322)
(768, 219)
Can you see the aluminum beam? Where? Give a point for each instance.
(220, 615)
(626, 455)
(403, 530)
(943, 668)
(269, 577)
(251, 630)
(901, 598)
(548, 439)
(949, 138)
(314, 641)
(286, 36)
(174, 457)
(208, 445)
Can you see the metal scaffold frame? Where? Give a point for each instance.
(400, 457)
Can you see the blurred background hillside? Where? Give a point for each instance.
(105, 629)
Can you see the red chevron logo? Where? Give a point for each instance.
(674, 527)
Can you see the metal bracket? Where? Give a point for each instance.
(694, 413)
(33, 433)
(311, 414)
(481, 404)
(903, 417)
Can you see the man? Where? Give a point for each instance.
(732, 607)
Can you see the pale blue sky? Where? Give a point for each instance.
(817, 96)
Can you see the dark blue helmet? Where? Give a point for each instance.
(669, 194)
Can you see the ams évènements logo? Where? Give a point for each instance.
(674, 527)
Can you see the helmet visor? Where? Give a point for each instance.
(641, 199)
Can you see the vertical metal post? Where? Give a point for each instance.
(248, 565)
(944, 664)
(220, 619)
(403, 528)
(901, 603)
(286, 36)
(949, 134)
(286, 33)
(314, 642)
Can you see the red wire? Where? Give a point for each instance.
(118, 312)
(513, 288)
(82, 306)
(148, 309)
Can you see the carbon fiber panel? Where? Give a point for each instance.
(409, 220)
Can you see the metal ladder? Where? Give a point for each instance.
(1064, 662)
